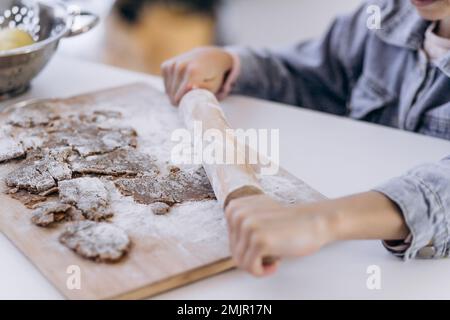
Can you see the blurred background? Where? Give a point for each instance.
(140, 34)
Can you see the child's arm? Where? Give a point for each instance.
(416, 204)
(423, 196)
(316, 74)
(261, 227)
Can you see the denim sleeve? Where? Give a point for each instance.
(423, 195)
(315, 74)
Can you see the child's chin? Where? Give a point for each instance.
(434, 11)
(430, 16)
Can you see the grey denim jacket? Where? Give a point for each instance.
(382, 76)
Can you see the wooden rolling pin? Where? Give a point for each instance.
(229, 181)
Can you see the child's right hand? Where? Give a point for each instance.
(203, 68)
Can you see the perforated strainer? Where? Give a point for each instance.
(23, 15)
(47, 22)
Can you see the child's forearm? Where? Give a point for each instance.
(261, 227)
(369, 215)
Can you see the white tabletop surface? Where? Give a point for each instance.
(336, 156)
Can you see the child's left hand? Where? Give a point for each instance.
(260, 227)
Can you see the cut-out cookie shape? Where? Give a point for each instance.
(98, 241)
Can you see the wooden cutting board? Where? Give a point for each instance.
(188, 244)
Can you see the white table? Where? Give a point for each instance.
(336, 156)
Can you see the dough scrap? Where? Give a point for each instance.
(121, 162)
(101, 242)
(58, 167)
(100, 116)
(76, 119)
(32, 141)
(31, 177)
(29, 200)
(10, 149)
(40, 172)
(160, 208)
(36, 114)
(176, 187)
(89, 195)
(89, 139)
(49, 213)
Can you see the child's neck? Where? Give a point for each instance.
(444, 28)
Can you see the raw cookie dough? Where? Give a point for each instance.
(89, 195)
(160, 208)
(176, 187)
(32, 140)
(29, 200)
(89, 133)
(89, 139)
(100, 116)
(102, 242)
(36, 114)
(57, 161)
(32, 177)
(69, 120)
(49, 213)
(10, 149)
(39, 173)
(121, 162)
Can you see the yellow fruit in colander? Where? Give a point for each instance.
(12, 38)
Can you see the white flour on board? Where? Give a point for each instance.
(190, 222)
(286, 190)
(199, 223)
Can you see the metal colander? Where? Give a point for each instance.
(47, 22)
(23, 15)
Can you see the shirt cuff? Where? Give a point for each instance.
(398, 247)
(427, 237)
(232, 76)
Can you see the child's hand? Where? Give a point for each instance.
(200, 68)
(260, 227)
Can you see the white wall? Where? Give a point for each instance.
(278, 22)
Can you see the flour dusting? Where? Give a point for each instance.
(286, 190)
(134, 136)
